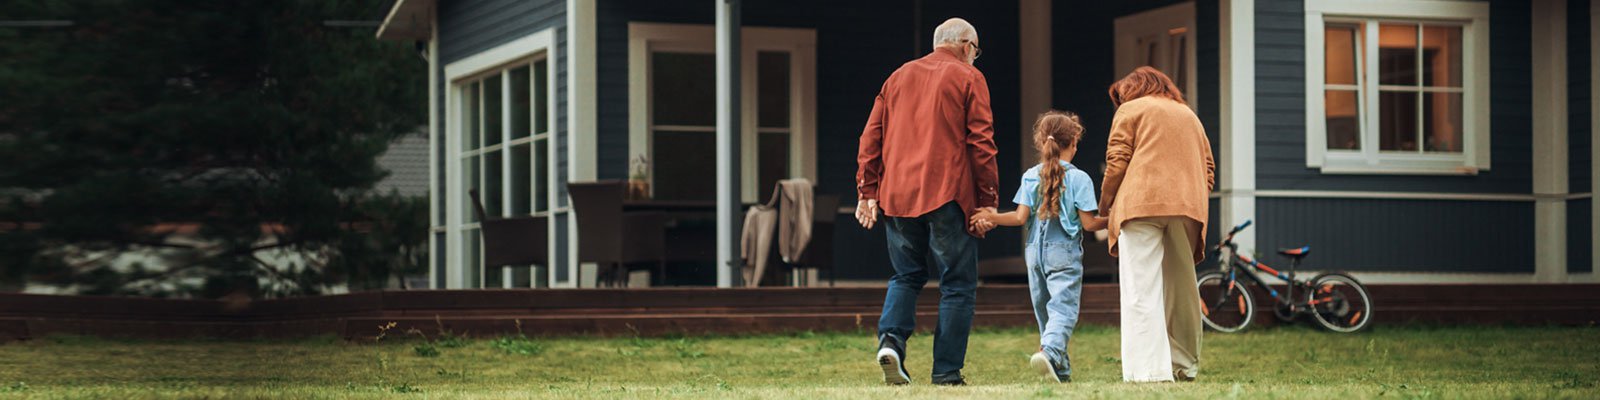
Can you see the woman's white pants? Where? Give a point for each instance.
(1160, 303)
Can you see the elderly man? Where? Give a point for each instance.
(927, 160)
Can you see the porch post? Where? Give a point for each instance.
(1236, 175)
(437, 137)
(728, 204)
(1550, 141)
(582, 138)
(1034, 22)
(1594, 139)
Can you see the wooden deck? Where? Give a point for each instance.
(686, 311)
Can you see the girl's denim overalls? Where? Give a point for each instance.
(1055, 280)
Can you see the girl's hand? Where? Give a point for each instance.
(981, 215)
(983, 219)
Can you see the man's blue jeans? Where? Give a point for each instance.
(940, 238)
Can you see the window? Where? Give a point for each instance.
(504, 146)
(673, 108)
(1389, 86)
(499, 124)
(772, 119)
(683, 125)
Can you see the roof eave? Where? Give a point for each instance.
(408, 20)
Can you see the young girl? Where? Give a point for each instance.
(1057, 203)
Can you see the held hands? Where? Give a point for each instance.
(982, 221)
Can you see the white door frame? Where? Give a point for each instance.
(1162, 21)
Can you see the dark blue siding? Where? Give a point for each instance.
(560, 137)
(1208, 38)
(1409, 235)
(467, 27)
(1280, 93)
(1214, 228)
(1208, 50)
(1280, 109)
(561, 247)
(1579, 227)
(1578, 123)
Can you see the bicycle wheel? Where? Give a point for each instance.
(1340, 303)
(1225, 305)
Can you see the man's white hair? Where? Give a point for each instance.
(953, 31)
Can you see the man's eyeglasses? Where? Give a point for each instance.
(976, 51)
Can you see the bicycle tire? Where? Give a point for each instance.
(1233, 297)
(1340, 314)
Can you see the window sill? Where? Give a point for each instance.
(1449, 165)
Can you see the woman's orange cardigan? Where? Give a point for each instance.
(1158, 164)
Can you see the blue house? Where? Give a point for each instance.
(1404, 140)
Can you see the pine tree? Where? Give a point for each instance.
(255, 122)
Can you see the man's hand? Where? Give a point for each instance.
(867, 212)
(980, 225)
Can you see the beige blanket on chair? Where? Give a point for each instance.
(789, 213)
(755, 242)
(794, 218)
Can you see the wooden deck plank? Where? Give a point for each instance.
(692, 310)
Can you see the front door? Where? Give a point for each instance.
(1162, 38)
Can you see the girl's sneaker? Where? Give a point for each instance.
(1049, 369)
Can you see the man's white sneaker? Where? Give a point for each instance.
(894, 373)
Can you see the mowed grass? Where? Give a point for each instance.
(1285, 362)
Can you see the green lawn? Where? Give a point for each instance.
(1291, 362)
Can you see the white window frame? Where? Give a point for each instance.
(1474, 157)
(645, 38)
(523, 53)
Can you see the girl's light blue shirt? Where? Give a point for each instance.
(1077, 194)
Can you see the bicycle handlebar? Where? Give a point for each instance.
(1241, 227)
(1226, 240)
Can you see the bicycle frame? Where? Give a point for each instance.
(1250, 266)
(1237, 261)
(1322, 303)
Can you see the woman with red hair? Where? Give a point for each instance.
(1157, 184)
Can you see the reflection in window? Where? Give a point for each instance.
(1418, 93)
(1340, 94)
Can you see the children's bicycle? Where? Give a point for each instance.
(1334, 299)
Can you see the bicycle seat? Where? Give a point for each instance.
(1296, 253)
